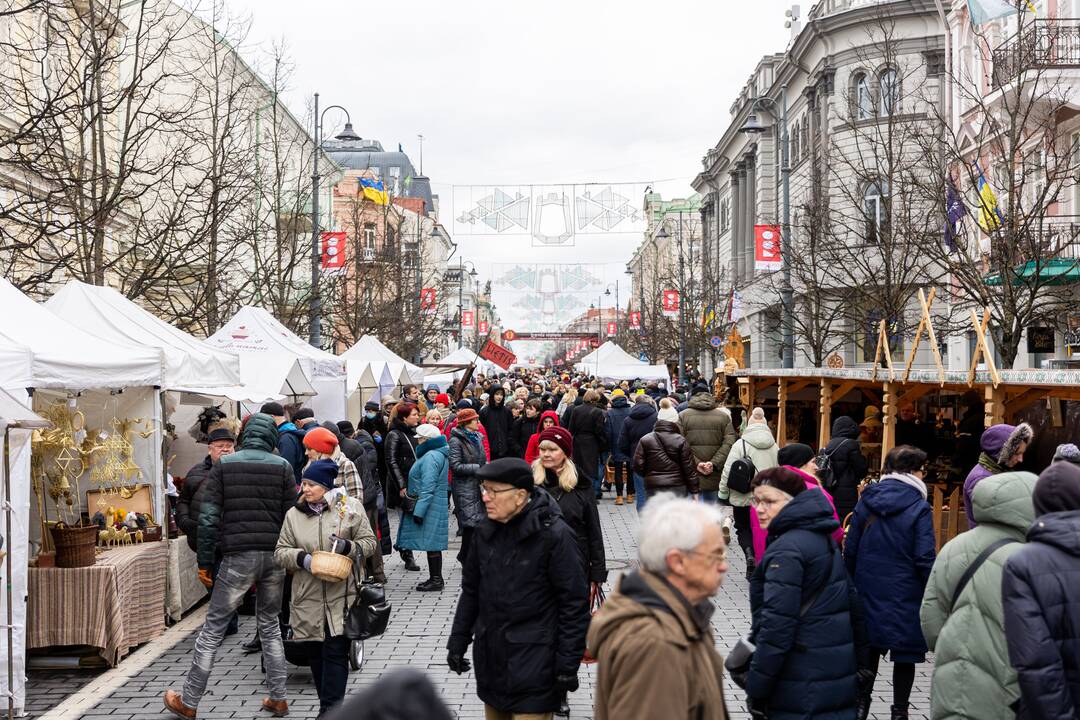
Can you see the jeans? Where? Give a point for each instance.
(598, 481)
(621, 470)
(639, 491)
(329, 662)
(710, 497)
(234, 621)
(237, 573)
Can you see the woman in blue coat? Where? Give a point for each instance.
(427, 526)
(805, 613)
(889, 552)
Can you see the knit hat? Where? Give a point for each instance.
(782, 478)
(669, 413)
(427, 431)
(795, 455)
(321, 440)
(512, 471)
(220, 433)
(322, 472)
(1057, 489)
(559, 436)
(346, 428)
(463, 405)
(442, 399)
(432, 386)
(332, 427)
(303, 414)
(272, 408)
(1068, 453)
(465, 416)
(617, 392)
(388, 400)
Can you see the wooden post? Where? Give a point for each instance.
(926, 324)
(982, 349)
(781, 406)
(888, 419)
(825, 413)
(994, 398)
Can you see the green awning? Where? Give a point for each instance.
(1050, 272)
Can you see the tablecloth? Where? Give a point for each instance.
(182, 586)
(114, 605)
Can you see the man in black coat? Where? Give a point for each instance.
(638, 424)
(524, 600)
(590, 439)
(847, 465)
(498, 421)
(1041, 601)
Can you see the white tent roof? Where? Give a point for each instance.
(611, 353)
(190, 365)
(369, 354)
(609, 361)
(64, 355)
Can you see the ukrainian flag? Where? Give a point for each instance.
(375, 191)
(990, 217)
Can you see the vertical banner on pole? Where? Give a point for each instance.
(428, 301)
(466, 318)
(635, 320)
(767, 255)
(332, 246)
(669, 303)
(611, 329)
(483, 327)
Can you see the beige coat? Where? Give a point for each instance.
(316, 602)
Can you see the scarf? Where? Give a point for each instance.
(318, 507)
(990, 464)
(908, 479)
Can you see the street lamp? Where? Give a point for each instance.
(460, 306)
(753, 126)
(315, 303)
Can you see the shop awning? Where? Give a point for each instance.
(1059, 271)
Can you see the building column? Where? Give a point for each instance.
(751, 215)
(735, 220)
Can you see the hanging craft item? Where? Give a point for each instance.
(57, 462)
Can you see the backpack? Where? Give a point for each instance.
(742, 473)
(825, 472)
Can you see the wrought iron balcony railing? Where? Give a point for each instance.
(1041, 44)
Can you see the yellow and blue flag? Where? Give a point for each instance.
(990, 217)
(375, 191)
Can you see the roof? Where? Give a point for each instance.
(370, 354)
(369, 155)
(1062, 378)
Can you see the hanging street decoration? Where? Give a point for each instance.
(669, 303)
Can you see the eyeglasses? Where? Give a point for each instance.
(714, 558)
(485, 490)
(758, 502)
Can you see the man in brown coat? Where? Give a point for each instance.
(652, 639)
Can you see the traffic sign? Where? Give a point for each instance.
(716, 341)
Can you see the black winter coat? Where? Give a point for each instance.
(367, 464)
(525, 605)
(245, 496)
(637, 425)
(1041, 599)
(378, 425)
(498, 421)
(189, 503)
(579, 511)
(664, 459)
(524, 428)
(590, 438)
(400, 456)
(290, 445)
(613, 425)
(466, 457)
(848, 465)
(804, 666)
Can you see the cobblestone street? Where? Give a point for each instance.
(416, 638)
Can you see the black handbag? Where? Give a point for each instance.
(408, 502)
(369, 615)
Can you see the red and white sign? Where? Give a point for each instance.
(612, 329)
(428, 303)
(466, 318)
(669, 303)
(635, 320)
(498, 354)
(483, 327)
(333, 250)
(767, 247)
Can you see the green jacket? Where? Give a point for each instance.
(972, 675)
(710, 433)
(316, 602)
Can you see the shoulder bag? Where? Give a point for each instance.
(974, 567)
(369, 615)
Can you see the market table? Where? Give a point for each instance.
(114, 605)
(182, 588)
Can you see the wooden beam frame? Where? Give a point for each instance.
(926, 324)
(825, 412)
(982, 349)
(781, 418)
(1022, 399)
(888, 419)
(883, 344)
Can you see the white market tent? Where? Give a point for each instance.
(375, 370)
(271, 356)
(465, 356)
(611, 362)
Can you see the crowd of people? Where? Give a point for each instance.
(841, 572)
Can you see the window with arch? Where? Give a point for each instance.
(864, 99)
(876, 211)
(888, 92)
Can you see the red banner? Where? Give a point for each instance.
(612, 329)
(483, 327)
(669, 303)
(333, 250)
(635, 320)
(428, 302)
(498, 354)
(466, 318)
(767, 250)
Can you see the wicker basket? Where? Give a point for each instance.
(74, 545)
(329, 566)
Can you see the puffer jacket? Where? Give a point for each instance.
(638, 424)
(246, 495)
(316, 602)
(429, 484)
(290, 446)
(579, 511)
(1042, 617)
(709, 431)
(189, 503)
(664, 459)
(756, 443)
(972, 678)
(656, 654)
(804, 667)
(613, 423)
(367, 464)
(889, 552)
(590, 439)
(400, 456)
(499, 423)
(847, 464)
(466, 457)
(999, 443)
(524, 605)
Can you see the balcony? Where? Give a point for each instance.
(1043, 44)
(1053, 254)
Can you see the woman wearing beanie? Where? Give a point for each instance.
(324, 519)
(400, 456)
(466, 458)
(757, 445)
(426, 528)
(1003, 448)
(321, 443)
(889, 552)
(548, 419)
(803, 605)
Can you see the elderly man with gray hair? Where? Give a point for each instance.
(652, 638)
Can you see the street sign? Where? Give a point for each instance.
(716, 341)
(509, 335)
(643, 357)
(498, 354)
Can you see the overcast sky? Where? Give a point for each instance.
(512, 92)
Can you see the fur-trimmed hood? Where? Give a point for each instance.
(1003, 441)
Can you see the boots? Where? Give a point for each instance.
(862, 705)
(435, 582)
(618, 500)
(899, 713)
(410, 563)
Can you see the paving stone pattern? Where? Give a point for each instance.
(417, 638)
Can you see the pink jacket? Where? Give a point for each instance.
(759, 534)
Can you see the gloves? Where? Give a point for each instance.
(340, 546)
(566, 683)
(418, 520)
(458, 663)
(304, 560)
(758, 707)
(205, 577)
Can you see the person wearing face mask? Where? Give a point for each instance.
(1003, 448)
(804, 608)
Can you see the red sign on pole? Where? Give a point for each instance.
(428, 304)
(612, 329)
(498, 354)
(483, 327)
(767, 251)
(466, 318)
(635, 320)
(333, 250)
(669, 303)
